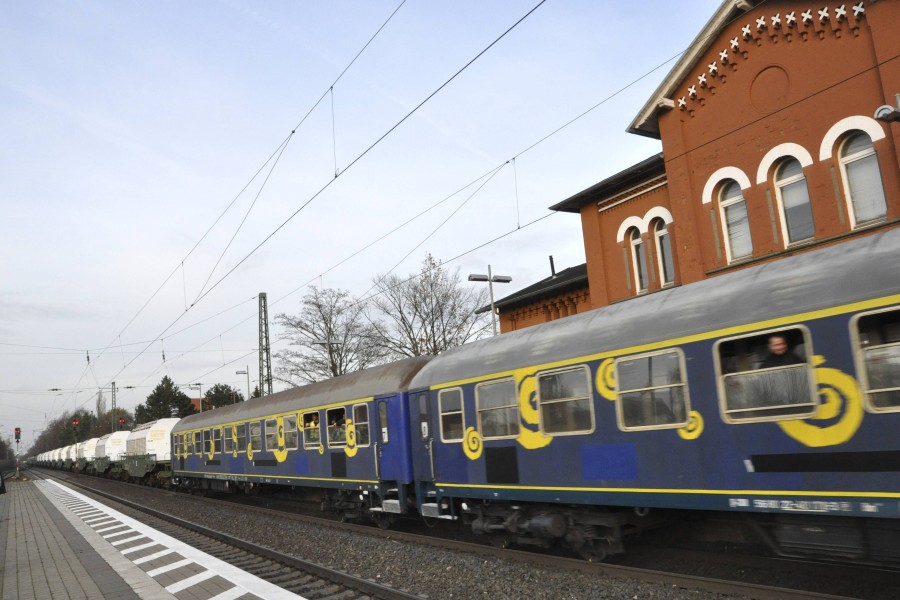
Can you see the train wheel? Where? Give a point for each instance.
(594, 552)
(499, 540)
(382, 520)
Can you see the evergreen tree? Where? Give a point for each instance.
(166, 400)
(221, 395)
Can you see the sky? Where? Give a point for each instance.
(162, 163)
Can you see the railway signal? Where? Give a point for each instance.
(18, 433)
(121, 423)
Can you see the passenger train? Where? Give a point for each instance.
(581, 431)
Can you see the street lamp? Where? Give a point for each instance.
(491, 279)
(246, 372)
(199, 387)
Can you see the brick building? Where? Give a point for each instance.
(770, 146)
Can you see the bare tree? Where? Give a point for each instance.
(332, 337)
(426, 313)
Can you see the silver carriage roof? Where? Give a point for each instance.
(859, 269)
(376, 381)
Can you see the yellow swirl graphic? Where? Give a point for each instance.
(280, 451)
(606, 379)
(234, 442)
(321, 449)
(530, 436)
(212, 444)
(694, 426)
(472, 445)
(249, 445)
(840, 413)
(351, 447)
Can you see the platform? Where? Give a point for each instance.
(57, 543)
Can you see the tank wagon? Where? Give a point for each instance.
(148, 452)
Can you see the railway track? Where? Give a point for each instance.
(686, 581)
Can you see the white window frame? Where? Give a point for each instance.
(859, 358)
(287, 430)
(844, 161)
(779, 184)
(367, 424)
(660, 231)
(461, 412)
(725, 203)
(726, 414)
(514, 404)
(686, 398)
(641, 284)
(590, 399)
(307, 444)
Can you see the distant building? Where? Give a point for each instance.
(770, 147)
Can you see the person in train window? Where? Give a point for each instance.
(780, 354)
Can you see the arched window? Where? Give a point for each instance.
(639, 261)
(664, 253)
(733, 212)
(862, 179)
(793, 199)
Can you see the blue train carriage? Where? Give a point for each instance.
(581, 431)
(347, 437)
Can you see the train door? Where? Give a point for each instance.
(387, 461)
(422, 436)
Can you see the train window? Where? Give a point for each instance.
(565, 403)
(498, 409)
(242, 437)
(383, 421)
(229, 440)
(878, 339)
(207, 441)
(361, 424)
(190, 442)
(217, 440)
(452, 418)
(337, 426)
(256, 436)
(651, 391)
(766, 376)
(271, 434)
(198, 442)
(291, 438)
(423, 415)
(312, 433)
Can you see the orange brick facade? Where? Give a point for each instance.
(770, 147)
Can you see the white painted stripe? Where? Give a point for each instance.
(100, 518)
(111, 527)
(151, 557)
(112, 535)
(170, 567)
(189, 582)
(102, 523)
(235, 575)
(231, 594)
(139, 536)
(139, 548)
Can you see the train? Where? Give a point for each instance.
(585, 430)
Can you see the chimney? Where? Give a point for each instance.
(552, 267)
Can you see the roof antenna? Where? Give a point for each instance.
(552, 267)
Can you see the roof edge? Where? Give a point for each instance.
(646, 123)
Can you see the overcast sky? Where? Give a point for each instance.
(131, 129)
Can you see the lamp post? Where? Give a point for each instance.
(491, 280)
(246, 372)
(199, 387)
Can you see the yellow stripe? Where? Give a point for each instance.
(680, 341)
(372, 481)
(675, 491)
